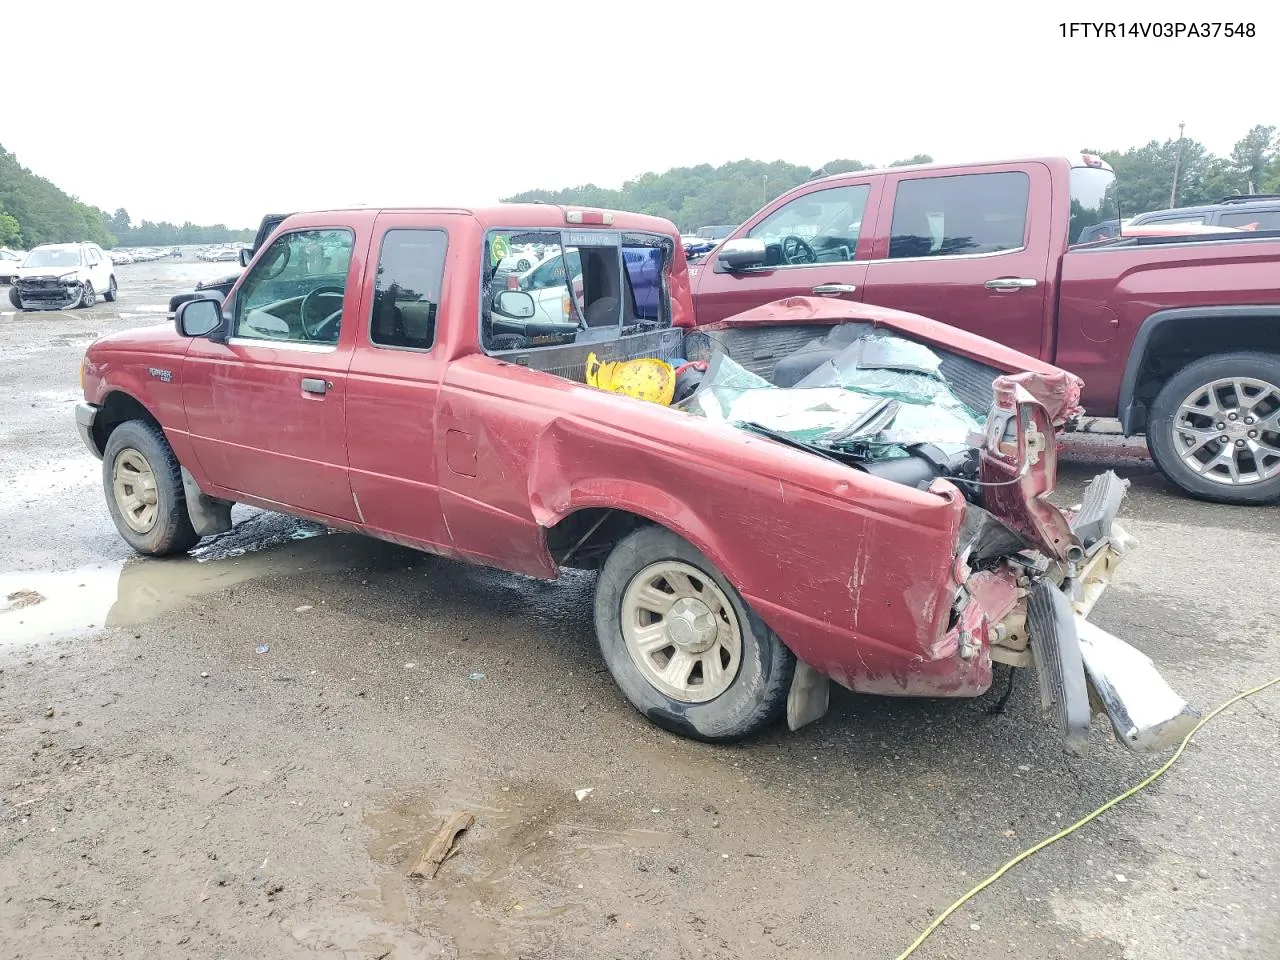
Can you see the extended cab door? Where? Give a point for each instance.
(969, 248)
(267, 409)
(815, 245)
(394, 381)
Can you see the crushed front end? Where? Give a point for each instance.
(1025, 573)
(48, 292)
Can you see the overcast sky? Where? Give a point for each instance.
(220, 110)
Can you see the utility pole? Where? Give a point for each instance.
(764, 189)
(1177, 162)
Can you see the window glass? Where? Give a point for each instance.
(296, 290)
(407, 289)
(1264, 220)
(819, 227)
(966, 214)
(91, 256)
(1191, 218)
(1095, 208)
(52, 257)
(589, 286)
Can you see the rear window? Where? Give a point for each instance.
(960, 215)
(588, 286)
(1094, 201)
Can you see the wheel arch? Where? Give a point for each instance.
(1169, 340)
(119, 406)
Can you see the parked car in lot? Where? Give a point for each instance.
(1175, 335)
(120, 256)
(60, 276)
(1245, 212)
(9, 263)
(824, 501)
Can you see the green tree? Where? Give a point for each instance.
(1253, 156)
(911, 161)
(10, 231)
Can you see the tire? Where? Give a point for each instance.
(1254, 409)
(757, 680)
(87, 297)
(169, 531)
(14, 298)
(110, 295)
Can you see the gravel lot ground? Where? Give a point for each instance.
(239, 755)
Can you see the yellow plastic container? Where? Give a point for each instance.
(644, 379)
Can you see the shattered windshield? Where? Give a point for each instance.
(873, 400)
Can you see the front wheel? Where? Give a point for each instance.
(143, 483)
(110, 295)
(683, 645)
(1214, 428)
(14, 298)
(87, 297)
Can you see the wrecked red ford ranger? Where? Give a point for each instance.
(812, 490)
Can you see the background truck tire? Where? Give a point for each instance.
(754, 679)
(143, 483)
(1229, 405)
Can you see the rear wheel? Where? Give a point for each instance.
(683, 645)
(143, 483)
(87, 297)
(110, 295)
(1214, 428)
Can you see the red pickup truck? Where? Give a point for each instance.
(813, 497)
(1178, 336)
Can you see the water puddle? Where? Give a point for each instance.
(36, 605)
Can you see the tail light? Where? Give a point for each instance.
(589, 217)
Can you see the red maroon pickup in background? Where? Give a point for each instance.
(1177, 336)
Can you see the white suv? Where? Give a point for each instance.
(59, 276)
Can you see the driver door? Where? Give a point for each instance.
(267, 410)
(834, 223)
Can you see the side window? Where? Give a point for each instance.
(644, 275)
(296, 290)
(966, 214)
(819, 227)
(407, 290)
(91, 256)
(1258, 220)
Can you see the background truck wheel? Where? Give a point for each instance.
(87, 297)
(683, 645)
(110, 295)
(14, 298)
(1214, 428)
(143, 484)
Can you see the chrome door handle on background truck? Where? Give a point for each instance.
(1010, 283)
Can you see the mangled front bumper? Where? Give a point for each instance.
(1082, 669)
(45, 293)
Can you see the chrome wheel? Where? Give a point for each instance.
(681, 631)
(87, 297)
(1228, 431)
(133, 484)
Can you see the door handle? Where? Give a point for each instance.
(314, 385)
(1010, 283)
(835, 288)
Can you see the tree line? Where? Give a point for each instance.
(699, 196)
(35, 211)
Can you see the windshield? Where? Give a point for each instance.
(1095, 205)
(52, 258)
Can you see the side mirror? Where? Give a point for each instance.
(742, 254)
(198, 318)
(515, 304)
(245, 256)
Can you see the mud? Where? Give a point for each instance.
(241, 754)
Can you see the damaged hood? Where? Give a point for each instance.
(1054, 388)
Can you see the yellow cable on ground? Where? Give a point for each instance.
(1081, 822)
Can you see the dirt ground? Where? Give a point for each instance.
(242, 754)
